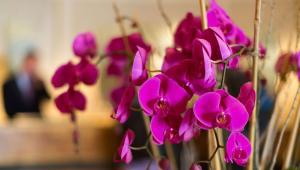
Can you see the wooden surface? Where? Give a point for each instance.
(33, 142)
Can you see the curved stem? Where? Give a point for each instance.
(154, 71)
(76, 136)
(164, 15)
(134, 23)
(283, 129)
(136, 109)
(219, 146)
(230, 57)
(122, 29)
(104, 55)
(223, 75)
(138, 148)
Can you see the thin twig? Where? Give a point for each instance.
(271, 129)
(270, 24)
(138, 148)
(219, 146)
(164, 15)
(104, 55)
(292, 140)
(230, 57)
(223, 75)
(122, 28)
(134, 23)
(283, 129)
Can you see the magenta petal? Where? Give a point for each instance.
(186, 32)
(70, 100)
(187, 127)
(139, 72)
(201, 54)
(207, 107)
(218, 42)
(88, 73)
(85, 45)
(148, 94)
(116, 68)
(238, 148)
(187, 121)
(172, 57)
(158, 128)
(195, 167)
(77, 99)
(63, 104)
(238, 113)
(116, 95)
(178, 100)
(65, 74)
(164, 164)
(124, 150)
(58, 79)
(247, 96)
(123, 110)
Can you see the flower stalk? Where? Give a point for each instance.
(202, 6)
(257, 21)
(171, 155)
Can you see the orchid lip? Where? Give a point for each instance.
(239, 153)
(171, 134)
(162, 107)
(223, 119)
(188, 84)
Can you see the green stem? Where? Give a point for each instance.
(104, 55)
(223, 76)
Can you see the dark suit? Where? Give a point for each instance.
(15, 100)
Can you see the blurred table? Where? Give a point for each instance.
(32, 141)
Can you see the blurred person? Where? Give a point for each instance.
(23, 92)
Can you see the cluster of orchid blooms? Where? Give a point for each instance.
(183, 98)
(286, 63)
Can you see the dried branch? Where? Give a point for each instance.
(257, 21)
(283, 129)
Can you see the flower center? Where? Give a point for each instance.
(223, 119)
(162, 107)
(172, 135)
(188, 84)
(239, 153)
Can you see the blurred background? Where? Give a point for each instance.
(45, 30)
